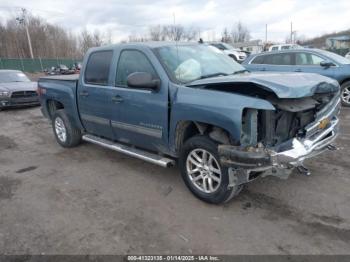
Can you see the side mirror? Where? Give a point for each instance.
(142, 80)
(326, 64)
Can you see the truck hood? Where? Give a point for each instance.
(18, 86)
(284, 85)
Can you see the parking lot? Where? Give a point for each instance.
(92, 200)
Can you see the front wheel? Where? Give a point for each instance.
(345, 93)
(202, 172)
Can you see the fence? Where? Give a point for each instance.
(33, 65)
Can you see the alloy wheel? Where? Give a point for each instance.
(60, 129)
(345, 96)
(203, 170)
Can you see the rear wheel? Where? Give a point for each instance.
(202, 172)
(66, 134)
(345, 93)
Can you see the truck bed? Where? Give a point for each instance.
(73, 77)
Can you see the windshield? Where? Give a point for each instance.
(187, 63)
(13, 76)
(337, 58)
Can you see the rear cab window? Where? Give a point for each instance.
(97, 68)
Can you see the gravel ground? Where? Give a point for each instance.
(92, 200)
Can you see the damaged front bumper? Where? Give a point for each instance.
(245, 164)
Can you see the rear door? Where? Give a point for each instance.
(256, 64)
(279, 62)
(143, 113)
(95, 92)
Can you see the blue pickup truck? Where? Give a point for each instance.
(189, 104)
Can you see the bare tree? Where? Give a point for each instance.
(240, 33)
(48, 41)
(225, 36)
(173, 32)
(88, 40)
(136, 38)
(191, 33)
(155, 33)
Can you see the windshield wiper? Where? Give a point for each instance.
(240, 71)
(213, 75)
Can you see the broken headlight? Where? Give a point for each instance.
(4, 93)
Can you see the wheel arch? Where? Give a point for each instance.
(344, 81)
(52, 105)
(185, 129)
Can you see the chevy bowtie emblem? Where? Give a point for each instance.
(323, 123)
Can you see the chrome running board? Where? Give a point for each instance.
(137, 153)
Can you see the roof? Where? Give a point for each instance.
(154, 44)
(312, 50)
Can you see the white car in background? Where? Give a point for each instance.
(284, 47)
(347, 55)
(235, 53)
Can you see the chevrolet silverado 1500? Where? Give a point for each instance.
(189, 103)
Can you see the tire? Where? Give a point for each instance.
(345, 93)
(233, 57)
(65, 133)
(215, 192)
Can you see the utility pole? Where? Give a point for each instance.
(23, 21)
(266, 34)
(291, 32)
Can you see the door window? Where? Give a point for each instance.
(132, 61)
(258, 60)
(316, 60)
(278, 59)
(97, 68)
(307, 59)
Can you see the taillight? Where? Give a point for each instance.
(40, 91)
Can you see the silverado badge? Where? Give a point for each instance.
(323, 123)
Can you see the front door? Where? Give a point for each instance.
(142, 118)
(310, 63)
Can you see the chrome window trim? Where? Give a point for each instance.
(294, 51)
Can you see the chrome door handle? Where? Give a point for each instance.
(297, 70)
(117, 99)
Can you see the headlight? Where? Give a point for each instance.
(4, 93)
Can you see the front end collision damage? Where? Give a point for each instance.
(263, 156)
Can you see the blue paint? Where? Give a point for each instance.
(148, 118)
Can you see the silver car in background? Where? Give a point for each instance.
(16, 89)
(347, 55)
(237, 54)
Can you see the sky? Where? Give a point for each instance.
(120, 18)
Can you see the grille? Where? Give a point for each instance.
(19, 94)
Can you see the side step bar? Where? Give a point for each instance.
(137, 153)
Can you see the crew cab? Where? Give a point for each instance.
(191, 104)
